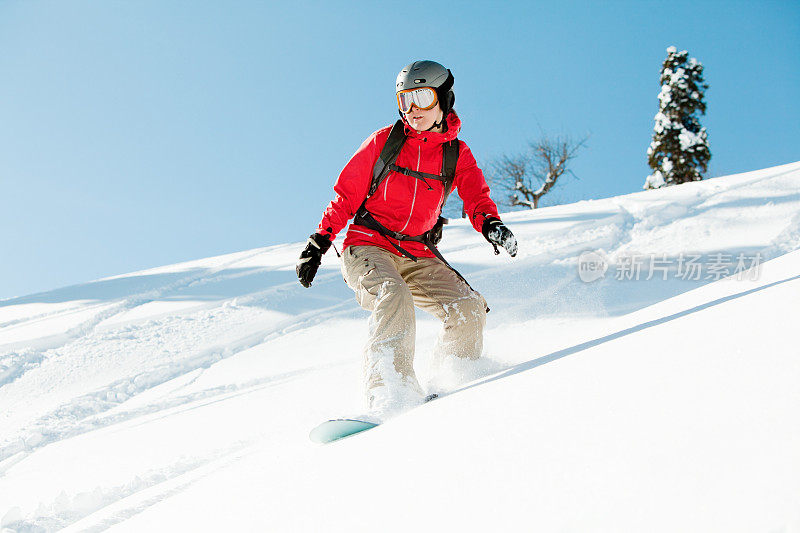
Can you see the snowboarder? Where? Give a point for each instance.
(389, 257)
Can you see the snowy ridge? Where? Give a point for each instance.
(180, 398)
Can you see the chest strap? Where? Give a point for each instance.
(419, 175)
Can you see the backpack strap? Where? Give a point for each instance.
(449, 162)
(388, 155)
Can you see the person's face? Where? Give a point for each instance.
(423, 119)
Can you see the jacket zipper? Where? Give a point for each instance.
(416, 183)
(362, 232)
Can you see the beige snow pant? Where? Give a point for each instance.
(389, 286)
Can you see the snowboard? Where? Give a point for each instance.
(338, 429)
(333, 430)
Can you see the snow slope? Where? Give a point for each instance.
(180, 398)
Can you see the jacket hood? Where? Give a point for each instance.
(453, 129)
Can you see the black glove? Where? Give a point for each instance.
(498, 234)
(311, 257)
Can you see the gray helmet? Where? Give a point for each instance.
(429, 74)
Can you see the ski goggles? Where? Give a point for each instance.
(422, 97)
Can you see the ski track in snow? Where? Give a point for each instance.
(15, 364)
(131, 498)
(179, 347)
(80, 414)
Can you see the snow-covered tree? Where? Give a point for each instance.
(679, 152)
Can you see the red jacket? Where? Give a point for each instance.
(404, 203)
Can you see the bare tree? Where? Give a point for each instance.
(527, 176)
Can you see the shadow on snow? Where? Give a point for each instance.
(560, 354)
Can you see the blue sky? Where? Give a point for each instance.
(135, 134)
